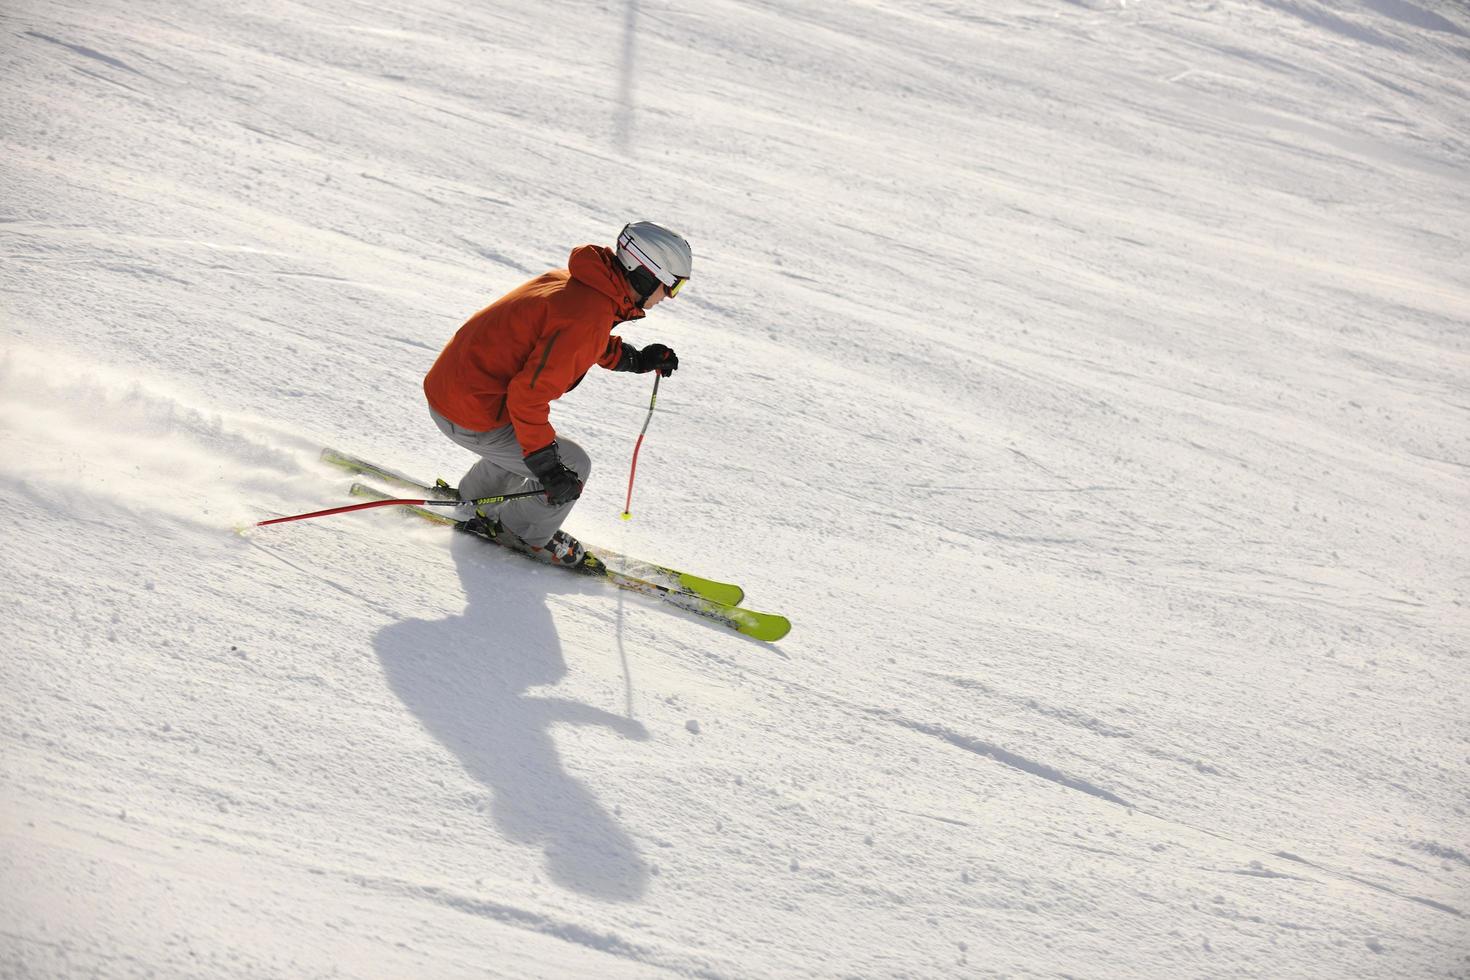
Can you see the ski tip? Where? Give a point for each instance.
(761, 626)
(775, 628)
(724, 592)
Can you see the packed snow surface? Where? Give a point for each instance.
(1088, 382)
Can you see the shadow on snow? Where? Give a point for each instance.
(466, 679)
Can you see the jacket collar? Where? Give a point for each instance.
(596, 266)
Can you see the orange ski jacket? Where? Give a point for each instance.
(515, 357)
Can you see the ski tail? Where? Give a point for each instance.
(361, 467)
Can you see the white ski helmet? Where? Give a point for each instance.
(664, 253)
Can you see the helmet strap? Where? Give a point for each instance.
(644, 284)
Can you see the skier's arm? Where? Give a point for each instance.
(613, 353)
(530, 393)
(559, 359)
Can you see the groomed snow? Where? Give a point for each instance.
(1088, 382)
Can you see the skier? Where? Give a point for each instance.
(491, 388)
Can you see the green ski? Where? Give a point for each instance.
(759, 625)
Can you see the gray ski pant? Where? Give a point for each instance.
(502, 469)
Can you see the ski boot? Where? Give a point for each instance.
(562, 549)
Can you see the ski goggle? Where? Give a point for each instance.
(679, 282)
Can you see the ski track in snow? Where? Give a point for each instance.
(1086, 381)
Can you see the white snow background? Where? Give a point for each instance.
(1088, 382)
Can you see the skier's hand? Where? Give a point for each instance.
(560, 481)
(654, 357)
(657, 357)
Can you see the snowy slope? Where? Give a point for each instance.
(1087, 381)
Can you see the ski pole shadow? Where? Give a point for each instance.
(466, 679)
(627, 107)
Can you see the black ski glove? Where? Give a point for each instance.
(560, 481)
(654, 357)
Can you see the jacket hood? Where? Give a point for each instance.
(596, 266)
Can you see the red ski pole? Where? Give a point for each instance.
(628, 506)
(478, 501)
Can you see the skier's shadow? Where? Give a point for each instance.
(466, 678)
